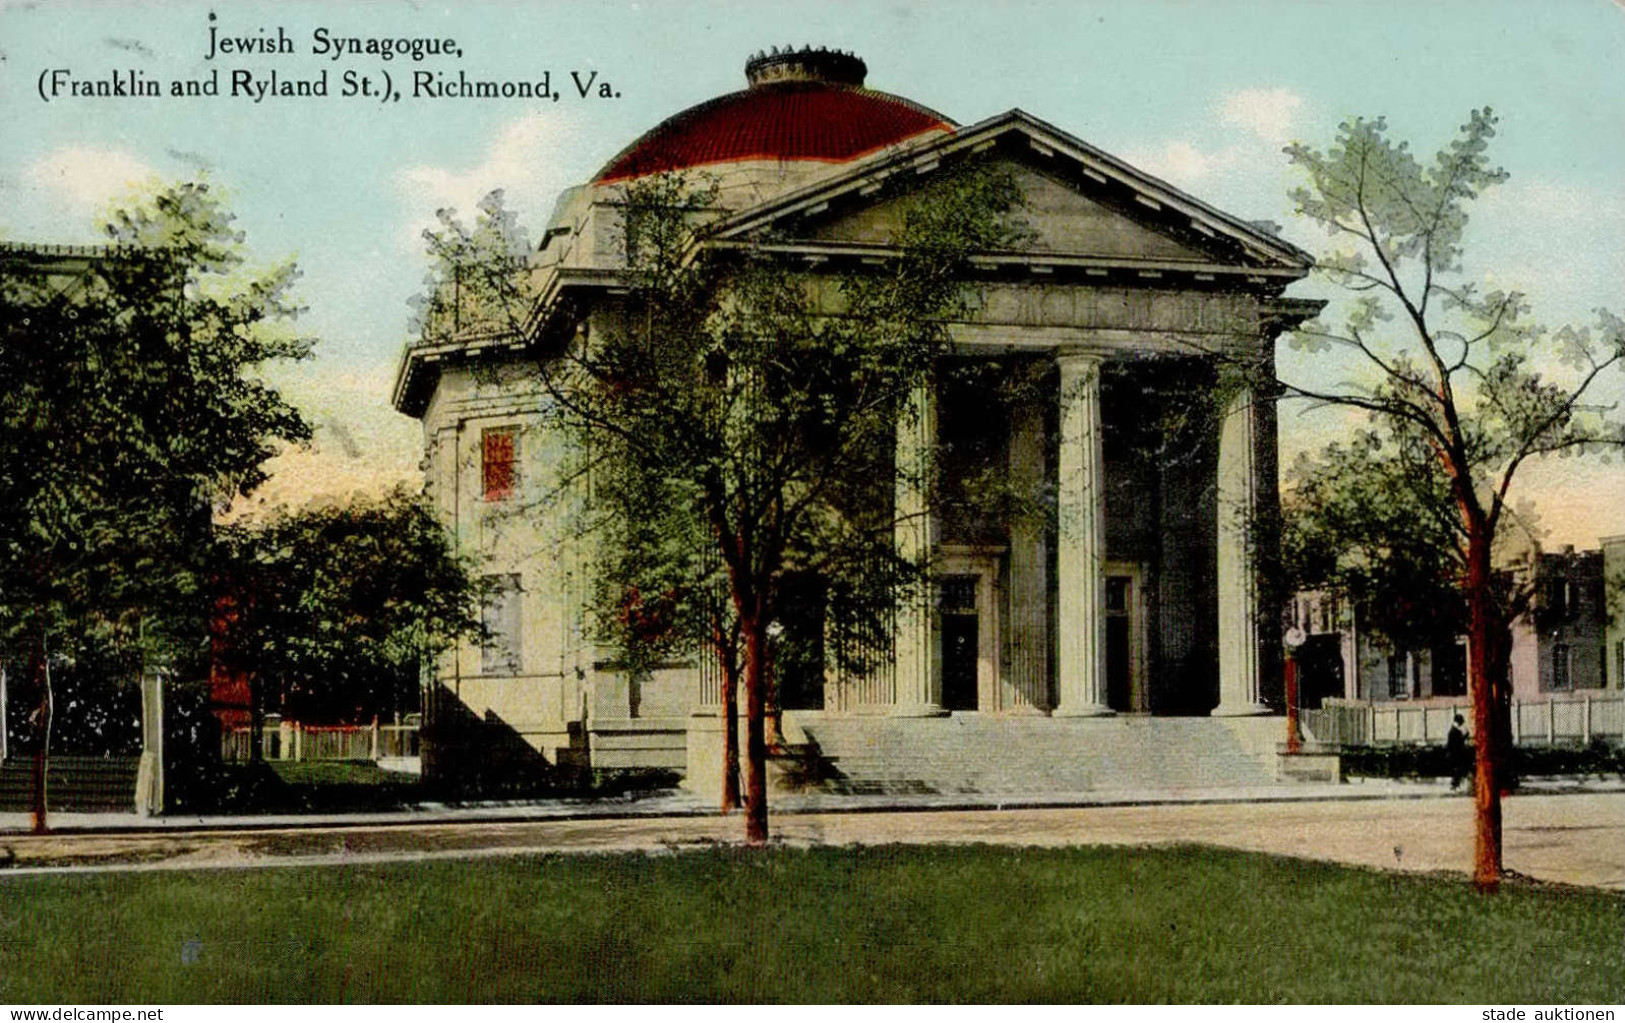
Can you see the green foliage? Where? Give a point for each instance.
(1371, 522)
(133, 407)
(478, 279)
(1600, 759)
(742, 418)
(1462, 389)
(1377, 192)
(337, 607)
(1452, 375)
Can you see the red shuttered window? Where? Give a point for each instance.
(497, 463)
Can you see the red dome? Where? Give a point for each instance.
(805, 106)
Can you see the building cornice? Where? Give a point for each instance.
(1156, 198)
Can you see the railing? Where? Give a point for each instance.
(1567, 718)
(290, 740)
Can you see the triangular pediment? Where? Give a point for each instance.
(1056, 219)
(1080, 206)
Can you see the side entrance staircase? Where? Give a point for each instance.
(994, 755)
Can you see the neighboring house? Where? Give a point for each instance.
(1572, 639)
(1560, 645)
(1142, 602)
(1342, 658)
(1613, 567)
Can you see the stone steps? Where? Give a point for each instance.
(967, 753)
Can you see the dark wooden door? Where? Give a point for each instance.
(959, 657)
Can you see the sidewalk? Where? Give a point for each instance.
(677, 803)
(1573, 839)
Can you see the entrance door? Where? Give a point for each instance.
(961, 627)
(959, 661)
(1126, 689)
(1119, 643)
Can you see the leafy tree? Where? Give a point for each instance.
(330, 611)
(760, 408)
(1464, 380)
(738, 425)
(477, 280)
(1369, 521)
(132, 409)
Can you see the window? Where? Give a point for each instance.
(1554, 599)
(1117, 593)
(1561, 675)
(1450, 670)
(501, 616)
(499, 449)
(1619, 663)
(1398, 683)
(957, 593)
(1328, 615)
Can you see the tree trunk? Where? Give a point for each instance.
(730, 729)
(42, 749)
(1487, 662)
(755, 731)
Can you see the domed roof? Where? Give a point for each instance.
(804, 105)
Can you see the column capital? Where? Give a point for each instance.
(1077, 361)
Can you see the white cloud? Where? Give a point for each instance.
(87, 178)
(524, 160)
(1183, 163)
(1235, 162)
(1267, 113)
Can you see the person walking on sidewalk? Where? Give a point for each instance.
(1456, 752)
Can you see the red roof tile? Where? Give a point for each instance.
(792, 120)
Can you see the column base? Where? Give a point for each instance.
(1086, 710)
(1022, 710)
(916, 710)
(1240, 710)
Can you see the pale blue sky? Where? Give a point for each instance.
(1201, 93)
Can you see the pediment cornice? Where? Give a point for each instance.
(1236, 244)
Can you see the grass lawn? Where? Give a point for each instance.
(961, 923)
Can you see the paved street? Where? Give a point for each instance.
(1573, 839)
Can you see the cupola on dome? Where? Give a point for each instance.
(801, 105)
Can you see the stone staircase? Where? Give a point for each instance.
(72, 784)
(984, 754)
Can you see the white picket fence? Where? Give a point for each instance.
(290, 740)
(1572, 719)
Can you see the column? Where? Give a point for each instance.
(1080, 555)
(1028, 685)
(149, 781)
(1240, 661)
(918, 678)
